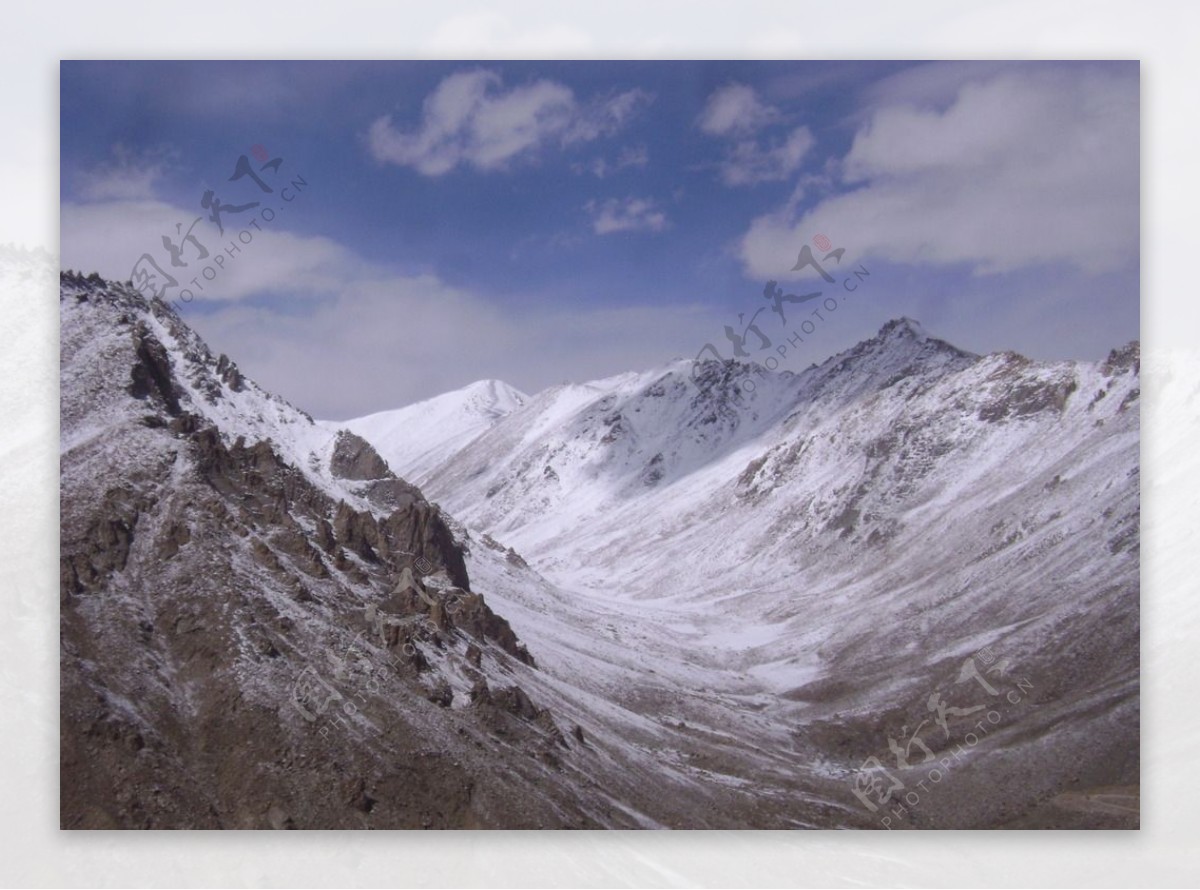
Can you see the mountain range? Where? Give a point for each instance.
(705, 595)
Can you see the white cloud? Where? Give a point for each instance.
(388, 342)
(1027, 166)
(735, 109)
(736, 112)
(749, 163)
(345, 320)
(607, 116)
(630, 156)
(471, 119)
(128, 177)
(626, 215)
(110, 236)
(119, 218)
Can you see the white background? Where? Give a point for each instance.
(1163, 35)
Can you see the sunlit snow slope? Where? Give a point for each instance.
(817, 553)
(417, 438)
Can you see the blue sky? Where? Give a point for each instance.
(548, 221)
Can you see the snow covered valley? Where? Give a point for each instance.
(896, 590)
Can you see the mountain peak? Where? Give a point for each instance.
(903, 327)
(495, 394)
(900, 348)
(909, 335)
(413, 439)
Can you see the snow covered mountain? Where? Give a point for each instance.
(415, 439)
(576, 452)
(722, 597)
(826, 549)
(262, 626)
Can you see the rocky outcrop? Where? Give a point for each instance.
(229, 374)
(216, 668)
(354, 458)
(151, 374)
(89, 561)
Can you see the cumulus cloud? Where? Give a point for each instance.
(750, 162)
(735, 109)
(1023, 167)
(471, 119)
(735, 112)
(626, 215)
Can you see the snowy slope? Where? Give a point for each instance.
(574, 453)
(223, 558)
(240, 646)
(816, 551)
(415, 439)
